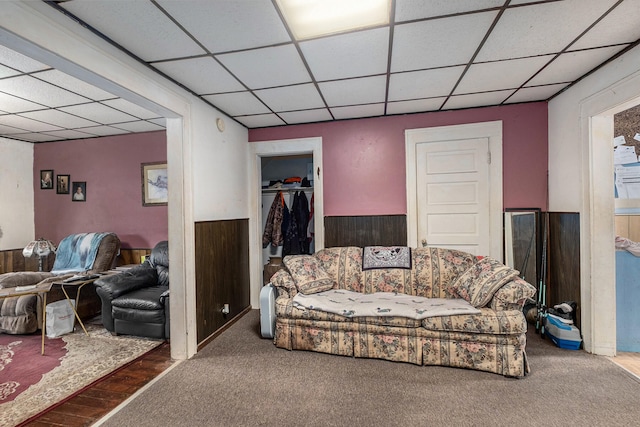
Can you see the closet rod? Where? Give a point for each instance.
(286, 190)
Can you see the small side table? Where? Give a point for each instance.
(40, 290)
(78, 284)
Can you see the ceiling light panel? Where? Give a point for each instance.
(348, 55)
(416, 106)
(423, 84)
(358, 111)
(267, 67)
(38, 91)
(540, 28)
(226, 25)
(535, 93)
(289, 98)
(307, 116)
(420, 45)
(621, 25)
(138, 25)
(513, 74)
(65, 81)
(98, 113)
(572, 65)
(417, 9)
(367, 90)
(309, 19)
(59, 118)
(476, 100)
(238, 103)
(201, 75)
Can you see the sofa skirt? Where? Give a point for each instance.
(501, 354)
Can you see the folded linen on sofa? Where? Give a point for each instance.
(356, 304)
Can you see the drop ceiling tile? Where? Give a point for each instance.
(355, 54)
(7, 72)
(419, 45)
(69, 134)
(619, 26)
(98, 113)
(130, 108)
(20, 62)
(261, 120)
(137, 25)
(535, 93)
(540, 28)
(27, 124)
(354, 112)
(226, 25)
(307, 116)
(37, 137)
(267, 67)
(367, 90)
(202, 75)
(9, 130)
(423, 84)
(160, 121)
(476, 100)
(65, 81)
(38, 91)
(569, 66)
(58, 118)
(289, 98)
(238, 103)
(407, 10)
(415, 106)
(103, 130)
(500, 75)
(138, 126)
(13, 104)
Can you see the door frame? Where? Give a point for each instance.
(282, 147)
(491, 130)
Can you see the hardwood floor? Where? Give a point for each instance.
(629, 361)
(95, 402)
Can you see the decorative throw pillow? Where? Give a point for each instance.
(308, 274)
(478, 284)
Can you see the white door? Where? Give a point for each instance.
(454, 187)
(453, 194)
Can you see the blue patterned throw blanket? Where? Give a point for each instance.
(77, 252)
(386, 257)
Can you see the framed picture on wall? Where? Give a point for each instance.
(46, 179)
(79, 191)
(154, 184)
(62, 184)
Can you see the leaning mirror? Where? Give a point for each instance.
(521, 242)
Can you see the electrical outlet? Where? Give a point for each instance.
(225, 309)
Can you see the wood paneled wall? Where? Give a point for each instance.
(131, 256)
(383, 230)
(563, 282)
(12, 260)
(222, 273)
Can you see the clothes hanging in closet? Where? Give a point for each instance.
(273, 232)
(301, 211)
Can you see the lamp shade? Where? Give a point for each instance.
(40, 248)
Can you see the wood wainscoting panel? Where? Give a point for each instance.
(222, 273)
(12, 260)
(563, 282)
(381, 230)
(131, 256)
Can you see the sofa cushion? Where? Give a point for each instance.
(489, 321)
(308, 274)
(478, 284)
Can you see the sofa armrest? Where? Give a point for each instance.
(512, 295)
(284, 284)
(113, 286)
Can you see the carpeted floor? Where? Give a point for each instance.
(242, 380)
(79, 361)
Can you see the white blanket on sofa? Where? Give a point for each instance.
(355, 304)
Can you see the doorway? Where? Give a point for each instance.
(309, 149)
(481, 209)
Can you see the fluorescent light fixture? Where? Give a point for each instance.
(314, 18)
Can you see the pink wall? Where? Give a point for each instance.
(364, 159)
(111, 168)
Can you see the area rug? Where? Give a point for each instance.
(31, 383)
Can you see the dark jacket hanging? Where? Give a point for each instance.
(301, 211)
(273, 227)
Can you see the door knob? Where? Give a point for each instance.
(424, 243)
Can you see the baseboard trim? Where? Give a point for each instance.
(224, 327)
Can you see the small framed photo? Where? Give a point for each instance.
(46, 179)
(79, 191)
(62, 184)
(154, 184)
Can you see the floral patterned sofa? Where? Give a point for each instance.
(493, 340)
